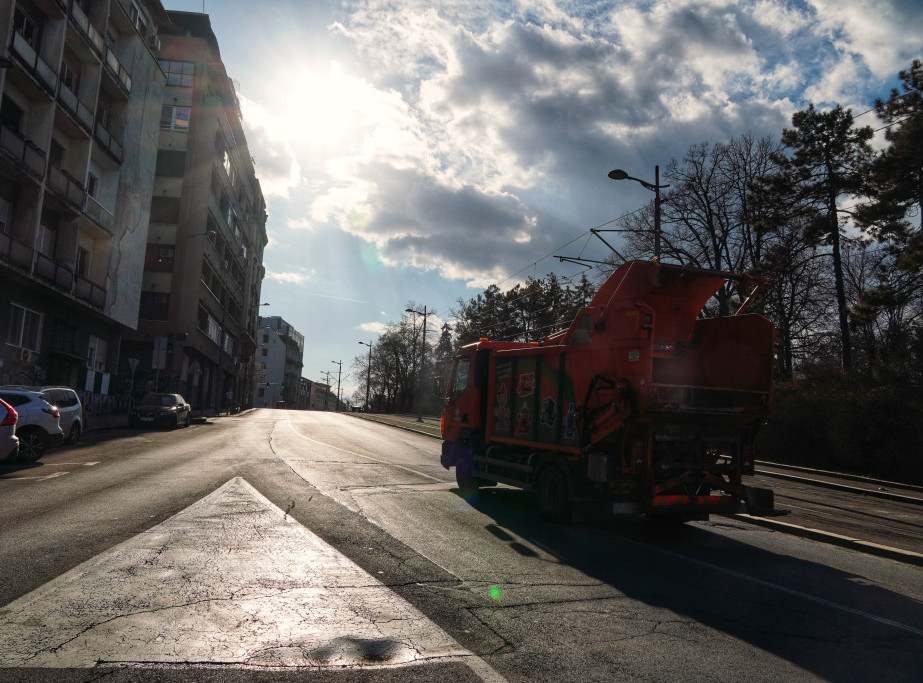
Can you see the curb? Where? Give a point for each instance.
(866, 547)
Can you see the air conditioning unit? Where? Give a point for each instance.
(154, 41)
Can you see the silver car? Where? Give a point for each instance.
(9, 442)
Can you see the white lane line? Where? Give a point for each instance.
(364, 457)
(42, 478)
(230, 580)
(783, 589)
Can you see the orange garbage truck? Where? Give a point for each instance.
(642, 406)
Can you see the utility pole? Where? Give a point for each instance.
(339, 374)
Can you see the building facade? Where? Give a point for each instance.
(202, 259)
(279, 360)
(81, 93)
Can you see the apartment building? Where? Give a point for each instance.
(80, 101)
(279, 359)
(203, 252)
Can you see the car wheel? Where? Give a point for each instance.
(75, 433)
(188, 420)
(31, 445)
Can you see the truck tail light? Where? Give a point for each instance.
(442, 426)
(10, 419)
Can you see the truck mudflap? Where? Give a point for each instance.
(455, 453)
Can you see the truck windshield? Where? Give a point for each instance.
(460, 376)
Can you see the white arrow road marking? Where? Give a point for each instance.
(231, 581)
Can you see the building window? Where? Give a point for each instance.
(96, 354)
(264, 352)
(11, 114)
(92, 185)
(6, 214)
(178, 73)
(25, 328)
(170, 163)
(175, 118)
(154, 306)
(25, 25)
(82, 266)
(138, 19)
(165, 210)
(70, 73)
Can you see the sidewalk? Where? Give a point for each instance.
(95, 422)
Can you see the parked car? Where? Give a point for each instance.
(161, 410)
(9, 442)
(73, 419)
(38, 425)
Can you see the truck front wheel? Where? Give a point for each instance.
(553, 494)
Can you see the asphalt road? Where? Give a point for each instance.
(284, 545)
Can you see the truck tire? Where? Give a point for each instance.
(553, 495)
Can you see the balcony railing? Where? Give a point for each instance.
(106, 139)
(11, 249)
(82, 22)
(77, 108)
(66, 185)
(99, 213)
(36, 65)
(22, 151)
(117, 70)
(53, 271)
(90, 291)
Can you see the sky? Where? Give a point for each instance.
(413, 152)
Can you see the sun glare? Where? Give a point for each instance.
(320, 108)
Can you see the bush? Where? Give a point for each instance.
(849, 424)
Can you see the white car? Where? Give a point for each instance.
(9, 443)
(73, 420)
(39, 424)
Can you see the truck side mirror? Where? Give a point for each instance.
(437, 386)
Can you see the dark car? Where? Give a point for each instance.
(160, 410)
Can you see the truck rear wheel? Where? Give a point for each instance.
(553, 494)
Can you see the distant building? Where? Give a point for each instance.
(81, 95)
(202, 261)
(279, 357)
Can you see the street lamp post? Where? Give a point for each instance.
(655, 187)
(422, 360)
(368, 377)
(326, 388)
(339, 377)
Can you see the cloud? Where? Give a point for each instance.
(374, 327)
(291, 278)
(274, 159)
(495, 122)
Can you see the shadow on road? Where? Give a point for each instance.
(824, 620)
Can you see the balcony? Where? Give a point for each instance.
(65, 185)
(53, 272)
(99, 213)
(14, 251)
(82, 22)
(90, 292)
(117, 71)
(23, 152)
(77, 109)
(108, 142)
(38, 67)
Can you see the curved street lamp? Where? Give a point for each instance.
(655, 187)
(422, 360)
